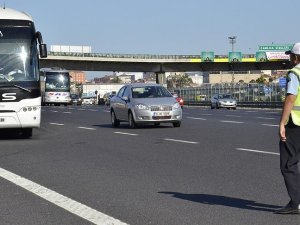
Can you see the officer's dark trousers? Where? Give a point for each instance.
(289, 158)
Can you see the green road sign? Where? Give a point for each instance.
(279, 48)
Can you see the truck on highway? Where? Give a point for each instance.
(20, 94)
(55, 86)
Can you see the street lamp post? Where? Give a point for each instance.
(232, 41)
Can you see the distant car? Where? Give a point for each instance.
(75, 99)
(144, 104)
(223, 101)
(178, 98)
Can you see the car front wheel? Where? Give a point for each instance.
(131, 121)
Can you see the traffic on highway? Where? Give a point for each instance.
(78, 169)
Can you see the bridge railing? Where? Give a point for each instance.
(137, 56)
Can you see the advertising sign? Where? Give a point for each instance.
(235, 57)
(207, 56)
(277, 56)
(261, 57)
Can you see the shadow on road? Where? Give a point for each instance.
(224, 201)
(10, 134)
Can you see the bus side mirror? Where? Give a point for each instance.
(43, 50)
(42, 46)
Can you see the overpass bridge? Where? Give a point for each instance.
(155, 63)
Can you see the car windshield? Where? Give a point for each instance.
(225, 96)
(150, 92)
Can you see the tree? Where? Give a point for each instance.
(179, 81)
(260, 80)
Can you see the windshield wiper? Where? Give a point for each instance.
(25, 89)
(17, 86)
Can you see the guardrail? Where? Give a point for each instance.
(271, 105)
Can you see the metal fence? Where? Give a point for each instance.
(248, 94)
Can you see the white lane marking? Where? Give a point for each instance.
(271, 125)
(265, 118)
(126, 133)
(93, 110)
(82, 109)
(67, 112)
(189, 142)
(251, 111)
(232, 116)
(195, 118)
(54, 111)
(105, 110)
(62, 201)
(58, 124)
(86, 128)
(228, 121)
(207, 114)
(257, 151)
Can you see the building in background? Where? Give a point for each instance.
(78, 77)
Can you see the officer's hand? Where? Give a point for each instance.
(282, 132)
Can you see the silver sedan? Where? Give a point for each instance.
(143, 104)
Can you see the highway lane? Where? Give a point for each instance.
(152, 175)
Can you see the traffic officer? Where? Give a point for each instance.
(289, 132)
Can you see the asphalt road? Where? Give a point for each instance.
(219, 167)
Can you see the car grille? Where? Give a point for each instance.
(161, 108)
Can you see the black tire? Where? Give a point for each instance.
(132, 123)
(114, 121)
(217, 106)
(176, 124)
(211, 106)
(27, 132)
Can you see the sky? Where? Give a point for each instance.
(174, 27)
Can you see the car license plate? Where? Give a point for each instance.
(161, 114)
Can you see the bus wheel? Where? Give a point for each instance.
(27, 132)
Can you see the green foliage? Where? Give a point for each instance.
(179, 81)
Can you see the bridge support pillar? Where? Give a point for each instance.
(161, 78)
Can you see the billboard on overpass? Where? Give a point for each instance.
(70, 49)
(235, 57)
(261, 56)
(207, 56)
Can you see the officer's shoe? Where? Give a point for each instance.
(289, 209)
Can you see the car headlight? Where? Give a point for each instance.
(176, 105)
(141, 107)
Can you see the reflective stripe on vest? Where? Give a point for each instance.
(297, 108)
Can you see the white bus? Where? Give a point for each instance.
(20, 94)
(55, 85)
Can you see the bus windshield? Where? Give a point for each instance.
(18, 55)
(57, 81)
